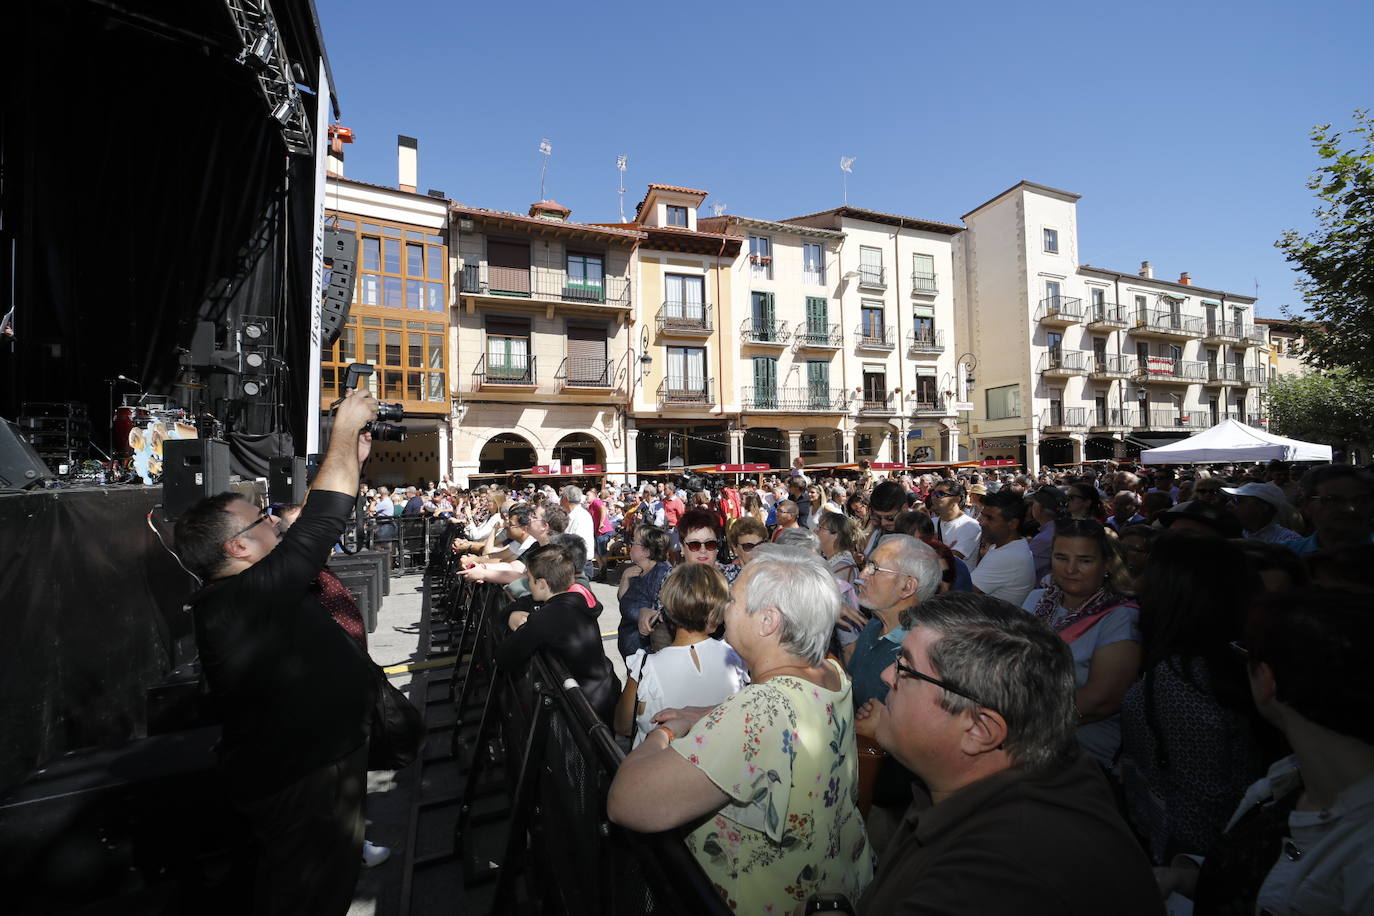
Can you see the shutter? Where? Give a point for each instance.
(586, 354)
(818, 384)
(508, 266)
(765, 382)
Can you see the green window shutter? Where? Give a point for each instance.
(765, 382)
(817, 317)
(818, 383)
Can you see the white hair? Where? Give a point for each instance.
(799, 537)
(571, 494)
(798, 585)
(913, 557)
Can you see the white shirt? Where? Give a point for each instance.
(963, 536)
(580, 524)
(1007, 572)
(702, 674)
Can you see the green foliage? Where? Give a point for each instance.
(1337, 257)
(1333, 408)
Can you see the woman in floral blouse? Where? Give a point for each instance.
(765, 784)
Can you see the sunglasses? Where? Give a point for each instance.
(701, 545)
(748, 545)
(905, 670)
(263, 516)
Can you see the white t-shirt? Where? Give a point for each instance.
(962, 535)
(1007, 572)
(580, 524)
(671, 678)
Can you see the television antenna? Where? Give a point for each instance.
(622, 163)
(846, 169)
(546, 149)
(718, 208)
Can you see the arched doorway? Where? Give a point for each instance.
(765, 445)
(1056, 451)
(579, 445)
(506, 452)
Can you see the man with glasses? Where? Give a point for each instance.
(887, 501)
(294, 692)
(788, 517)
(958, 531)
(1338, 500)
(1008, 815)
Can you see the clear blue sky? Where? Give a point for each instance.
(1183, 125)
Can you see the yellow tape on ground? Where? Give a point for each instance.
(407, 667)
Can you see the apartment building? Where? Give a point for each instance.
(892, 312)
(1075, 362)
(1285, 347)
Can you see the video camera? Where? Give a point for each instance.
(381, 429)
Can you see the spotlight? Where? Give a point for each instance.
(285, 109)
(252, 388)
(253, 331)
(254, 359)
(259, 54)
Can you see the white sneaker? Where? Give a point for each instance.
(375, 855)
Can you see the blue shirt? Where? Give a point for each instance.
(1303, 546)
(873, 653)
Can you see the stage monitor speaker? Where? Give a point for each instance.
(203, 345)
(341, 256)
(20, 465)
(286, 480)
(191, 470)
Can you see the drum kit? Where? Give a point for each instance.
(139, 430)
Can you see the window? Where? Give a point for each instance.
(1100, 407)
(1100, 353)
(1056, 408)
(1004, 402)
(871, 267)
(686, 297)
(923, 273)
(586, 274)
(765, 383)
(813, 264)
(818, 384)
(409, 357)
(1055, 342)
(863, 446)
(1214, 408)
(687, 370)
(875, 387)
(508, 351)
(765, 327)
(761, 256)
(923, 328)
(677, 216)
(872, 329)
(398, 272)
(926, 395)
(1052, 241)
(1052, 290)
(1140, 307)
(817, 319)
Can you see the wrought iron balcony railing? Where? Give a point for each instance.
(677, 317)
(547, 284)
(678, 392)
(1166, 323)
(1057, 418)
(1166, 369)
(1113, 365)
(825, 336)
(1106, 316)
(796, 400)
(1065, 362)
(510, 369)
(924, 283)
(926, 341)
(1060, 310)
(763, 331)
(871, 337)
(585, 372)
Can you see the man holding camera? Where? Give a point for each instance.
(295, 694)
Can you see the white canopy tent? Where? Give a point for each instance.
(1230, 441)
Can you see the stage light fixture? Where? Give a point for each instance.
(284, 110)
(259, 54)
(253, 331)
(254, 360)
(252, 388)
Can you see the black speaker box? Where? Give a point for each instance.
(20, 465)
(286, 480)
(191, 470)
(341, 254)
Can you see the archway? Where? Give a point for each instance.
(820, 445)
(581, 445)
(765, 445)
(506, 452)
(1056, 451)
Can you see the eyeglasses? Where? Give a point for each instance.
(903, 669)
(263, 516)
(701, 545)
(872, 569)
(749, 545)
(885, 516)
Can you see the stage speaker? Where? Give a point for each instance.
(191, 470)
(286, 480)
(341, 257)
(20, 465)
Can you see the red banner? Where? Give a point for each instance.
(998, 463)
(740, 468)
(886, 466)
(553, 470)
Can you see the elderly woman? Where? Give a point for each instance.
(1087, 605)
(767, 780)
(746, 533)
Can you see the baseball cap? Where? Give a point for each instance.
(1268, 492)
(978, 489)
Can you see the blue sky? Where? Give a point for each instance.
(1185, 126)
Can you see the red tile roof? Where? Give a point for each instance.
(481, 213)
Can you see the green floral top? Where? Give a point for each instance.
(783, 751)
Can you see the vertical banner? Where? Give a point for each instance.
(312, 404)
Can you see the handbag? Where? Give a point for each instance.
(397, 728)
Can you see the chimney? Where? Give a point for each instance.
(550, 210)
(1185, 278)
(407, 162)
(334, 157)
(1146, 270)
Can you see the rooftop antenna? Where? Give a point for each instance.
(718, 208)
(546, 148)
(622, 163)
(847, 168)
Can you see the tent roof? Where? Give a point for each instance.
(1230, 441)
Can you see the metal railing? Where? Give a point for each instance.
(875, 403)
(759, 330)
(1223, 331)
(1225, 372)
(684, 393)
(676, 317)
(1064, 418)
(1253, 336)
(924, 283)
(585, 372)
(1113, 365)
(512, 369)
(1065, 362)
(819, 335)
(1178, 419)
(873, 338)
(1106, 315)
(926, 341)
(1166, 369)
(1168, 323)
(936, 408)
(1114, 418)
(828, 400)
(1256, 377)
(545, 283)
(1067, 309)
(872, 277)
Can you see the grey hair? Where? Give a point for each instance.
(1013, 663)
(799, 537)
(797, 583)
(916, 559)
(571, 494)
(574, 547)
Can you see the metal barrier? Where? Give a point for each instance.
(421, 542)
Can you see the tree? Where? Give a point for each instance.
(1337, 258)
(1334, 408)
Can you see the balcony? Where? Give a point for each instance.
(1112, 366)
(794, 400)
(1165, 325)
(939, 407)
(876, 403)
(1064, 419)
(684, 319)
(545, 285)
(1059, 311)
(818, 337)
(583, 372)
(1106, 316)
(1254, 378)
(1176, 420)
(1166, 371)
(1251, 336)
(872, 277)
(763, 333)
(924, 284)
(1112, 420)
(685, 393)
(872, 337)
(1259, 421)
(1064, 363)
(926, 341)
(1222, 332)
(509, 371)
(1223, 374)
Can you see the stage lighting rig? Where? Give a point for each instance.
(264, 53)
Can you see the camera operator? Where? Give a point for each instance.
(296, 695)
